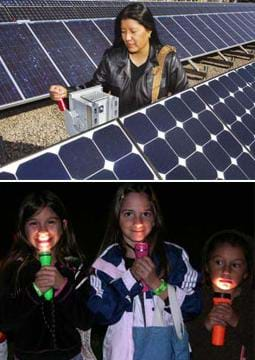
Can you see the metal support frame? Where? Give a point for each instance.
(196, 70)
(223, 62)
(241, 53)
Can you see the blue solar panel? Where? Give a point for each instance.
(186, 24)
(237, 27)
(28, 64)
(166, 38)
(9, 92)
(233, 102)
(220, 20)
(107, 26)
(95, 44)
(184, 139)
(207, 31)
(65, 51)
(182, 36)
(103, 153)
(210, 22)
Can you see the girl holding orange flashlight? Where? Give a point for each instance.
(41, 284)
(224, 328)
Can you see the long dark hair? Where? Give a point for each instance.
(36, 201)
(113, 234)
(140, 13)
(233, 238)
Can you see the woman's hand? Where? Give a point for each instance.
(57, 92)
(49, 277)
(221, 314)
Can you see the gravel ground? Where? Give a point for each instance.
(32, 127)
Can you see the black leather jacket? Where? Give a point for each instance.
(114, 74)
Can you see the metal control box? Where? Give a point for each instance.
(89, 108)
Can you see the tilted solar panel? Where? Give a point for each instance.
(183, 37)
(9, 92)
(95, 44)
(184, 139)
(103, 153)
(65, 51)
(232, 100)
(107, 27)
(26, 61)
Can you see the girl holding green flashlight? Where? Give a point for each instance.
(40, 284)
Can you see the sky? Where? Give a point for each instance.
(192, 211)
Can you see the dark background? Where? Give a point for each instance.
(192, 211)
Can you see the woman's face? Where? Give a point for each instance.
(134, 35)
(44, 229)
(136, 218)
(227, 267)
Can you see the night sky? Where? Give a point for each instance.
(192, 211)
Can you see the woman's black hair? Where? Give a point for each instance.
(113, 232)
(233, 238)
(140, 13)
(34, 202)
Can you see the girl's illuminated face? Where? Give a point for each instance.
(136, 218)
(227, 268)
(44, 229)
(134, 35)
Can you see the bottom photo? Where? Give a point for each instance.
(132, 271)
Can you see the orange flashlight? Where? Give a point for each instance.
(218, 331)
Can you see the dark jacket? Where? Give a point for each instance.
(40, 329)
(114, 74)
(200, 337)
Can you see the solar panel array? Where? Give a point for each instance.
(34, 55)
(204, 133)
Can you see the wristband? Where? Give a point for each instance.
(162, 287)
(38, 291)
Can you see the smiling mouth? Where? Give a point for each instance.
(226, 281)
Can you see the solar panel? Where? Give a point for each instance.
(233, 101)
(102, 153)
(107, 27)
(95, 44)
(185, 22)
(9, 92)
(26, 61)
(65, 51)
(183, 37)
(167, 38)
(184, 139)
(68, 52)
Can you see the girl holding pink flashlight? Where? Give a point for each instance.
(41, 286)
(143, 285)
(224, 330)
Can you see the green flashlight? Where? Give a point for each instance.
(45, 260)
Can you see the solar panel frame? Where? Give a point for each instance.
(63, 48)
(105, 151)
(230, 108)
(35, 78)
(199, 160)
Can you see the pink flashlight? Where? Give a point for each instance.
(141, 250)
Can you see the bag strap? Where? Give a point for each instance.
(158, 70)
(176, 312)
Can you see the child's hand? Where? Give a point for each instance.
(230, 316)
(221, 314)
(144, 269)
(49, 277)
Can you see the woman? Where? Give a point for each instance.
(127, 68)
